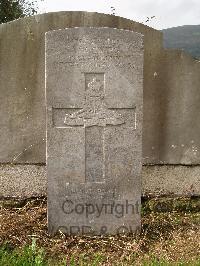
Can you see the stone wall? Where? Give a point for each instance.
(25, 181)
(171, 105)
(172, 120)
(22, 49)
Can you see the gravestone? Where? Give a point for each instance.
(94, 86)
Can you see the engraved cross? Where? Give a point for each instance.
(94, 117)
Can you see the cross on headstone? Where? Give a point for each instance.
(94, 117)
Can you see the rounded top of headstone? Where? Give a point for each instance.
(33, 28)
(84, 18)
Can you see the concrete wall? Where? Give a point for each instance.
(22, 116)
(172, 126)
(171, 90)
(30, 180)
(171, 106)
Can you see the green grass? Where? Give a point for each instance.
(29, 255)
(35, 256)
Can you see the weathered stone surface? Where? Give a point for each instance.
(171, 122)
(22, 71)
(27, 181)
(174, 109)
(94, 85)
(22, 181)
(170, 135)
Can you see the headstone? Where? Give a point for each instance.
(94, 86)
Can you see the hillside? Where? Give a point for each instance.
(184, 37)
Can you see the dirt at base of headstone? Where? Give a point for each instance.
(173, 235)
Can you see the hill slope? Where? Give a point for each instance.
(184, 37)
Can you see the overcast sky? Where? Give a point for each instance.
(168, 13)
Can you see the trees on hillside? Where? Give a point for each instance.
(13, 9)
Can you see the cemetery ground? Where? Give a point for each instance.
(170, 236)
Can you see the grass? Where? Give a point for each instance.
(28, 255)
(170, 236)
(35, 256)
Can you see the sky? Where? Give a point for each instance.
(168, 13)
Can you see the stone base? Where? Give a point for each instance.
(27, 181)
(177, 180)
(23, 181)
